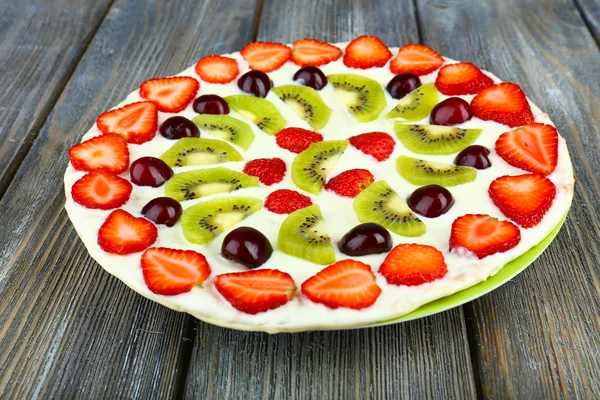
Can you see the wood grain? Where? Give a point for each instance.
(590, 12)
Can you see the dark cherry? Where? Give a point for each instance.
(474, 156)
(210, 104)
(312, 77)
(403, 84)
(430, 201)
(255, 82)
(163, 210)
(246, 246)
(178, 127)
(150, 171)
(364, 239)
(452, 111)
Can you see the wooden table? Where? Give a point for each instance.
(69, 329)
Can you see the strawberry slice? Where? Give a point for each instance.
(504, 103)
(413, 264)
(416, 59)
(380, 145)
(350, 183)
(217, 69)
(136, 122)
(523, 198)
(170, 271)
(101, 190)
(101, 153)
(285, 201)
(267, 170)
(122, 233)
(170, 94)
(483, 235)
(532, 147)
(461, 78)
(366, 52)
(297, 140)
(257, 290)
(266, 56)
(347, 283)
(314, 52)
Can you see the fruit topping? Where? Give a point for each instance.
(163, 211)
(199, 151)
(416, 59)
(483, 235)
(246, 246)
(267, 170)
(210, 104)
(217, 69)
(150, 171)
(413, 264)
(430, 201)
(366, 52)
(417, 104)
(306, 103)
(435, 139)
(178, 127)
(365, 239)
(403, 84)
(101, 153)
(297, 140)
(312, 77)
(255, 82)
(380, 145)
(525, 198)
(260, 111)
(452, 111)
(227, 128)
(532, 147)
(122, 233)
(311, 167)
(347, 283)
(256, 291)
(475, 156)
(504, 103)
(170, 94)
(285, 201)
(423, 172)
(102, 190)
(266, 56)
(362, 96)
(204, 182)
(350, 183)
(312, 52)
(135, 122)
(461, 78)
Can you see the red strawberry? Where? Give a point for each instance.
(285, 201)
(170, 271)
(297, 140)
(524, 198)
(413, 264)
(504, 103)
(256, 291)
(266, 56)
(101, 153)
(217, 69)
(122, 233)
(314, 52)
(377, 144)
(170, 94)
(101, 190)
(416, 59)
(461, 78)
(350, 183)
(267, 170)
(135, 122)
(366, 52)
(532, 147)
(347, 283)
(483, 235)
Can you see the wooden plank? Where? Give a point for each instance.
(67, 328)
(590, 12)
(539, 336)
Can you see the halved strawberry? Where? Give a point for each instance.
(170, 271)
(314, 52)
(532, 147)
(101, 153)
(136, 122)
(366, 52)
(267, 170)
(461, 78)
(523, 198)
(257, 290)
(266, 56)
(297, 140)
(347, 283)
(217, 69)
(380, 145)
(413, 264)
(416, 59)
(483, 235)
(103, 190)
(350, 183)
(170, 94)
(504, 103)
(122, 233)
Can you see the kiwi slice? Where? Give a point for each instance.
(227, 128)
(258, 110)
(305, 102)
(311, 167)
(199, 151)
(303, 234)
(423, 172)
(362, 96)
(204, 221)
(417, 104)
(204, 182)
(435, 139)
(379, 203)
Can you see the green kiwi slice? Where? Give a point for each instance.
(227, 128)
(379, 203)
(204, 221)
(303, 234)
(363, 96)
(417, 104)
(423, 172)
(258, 110)
(199, 151)
(305, 102)
(435, 139)
(311, 167)
(204, 182)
